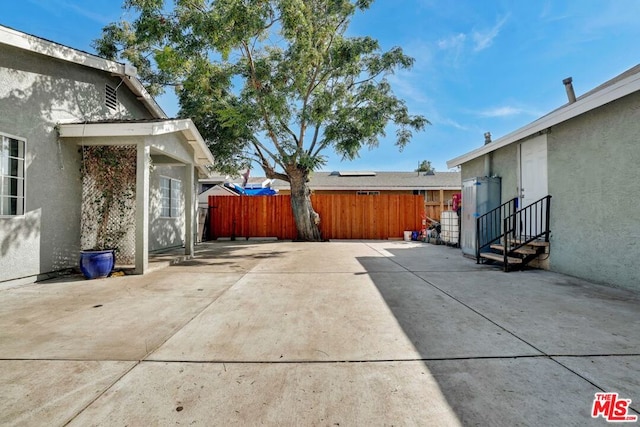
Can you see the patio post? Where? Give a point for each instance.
(189, 209)
(142, 207)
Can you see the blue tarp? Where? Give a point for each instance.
(259, 191)
(253, 191)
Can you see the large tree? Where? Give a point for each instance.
(276, 82)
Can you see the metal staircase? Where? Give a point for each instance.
(513, 237)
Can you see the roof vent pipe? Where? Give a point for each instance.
(569, 88)
(487, 157)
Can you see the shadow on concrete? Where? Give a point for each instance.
(220, 254)
(482, 359)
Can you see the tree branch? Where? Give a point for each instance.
(265, 115)
(315, 139)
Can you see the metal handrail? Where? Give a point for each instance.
(526, 225)
(489, 227)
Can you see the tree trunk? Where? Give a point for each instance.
(307, 220)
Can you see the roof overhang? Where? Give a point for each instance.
(202, 156)
(48, 48)
(617, 90)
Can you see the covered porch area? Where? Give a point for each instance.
(167, 151)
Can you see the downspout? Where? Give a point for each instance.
(489, 156)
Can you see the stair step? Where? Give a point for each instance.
(540, 243)
(523, 250)
(500, 258)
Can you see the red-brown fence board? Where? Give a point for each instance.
(343, 216)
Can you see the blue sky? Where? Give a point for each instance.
(491, 65)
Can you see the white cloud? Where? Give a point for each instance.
(484, 39)
(500, 112)
(506, 111)
(452, 123)
(453, 42)
(405, 86)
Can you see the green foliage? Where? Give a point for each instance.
(425, 166)
(110, 171)
(276, 82)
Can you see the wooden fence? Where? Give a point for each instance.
(343, 216)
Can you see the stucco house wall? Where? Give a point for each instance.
(593, 163)
(36, 92)
(165, 232)
(502, 165)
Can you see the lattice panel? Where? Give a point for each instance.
(120, 220)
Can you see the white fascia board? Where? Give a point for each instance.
(92, 130)
(138, 89)
(34, 44)
(202, 154)
(616, 91)
(51, 49)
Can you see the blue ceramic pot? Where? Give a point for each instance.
(96, 264)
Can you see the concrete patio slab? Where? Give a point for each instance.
(426, 257)
(41, 392)
(515, 392)
(121, 318)
(349, 333)
(293, 316)
(337, 317)
(301, 394)
(557, 314)
(441, 327)
(617, 374)
(323, 257)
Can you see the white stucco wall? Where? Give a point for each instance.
(165, 232)
(592, 163)
(594, 180)
(36, 92)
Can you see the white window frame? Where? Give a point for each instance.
(171, 199)
(5, 176)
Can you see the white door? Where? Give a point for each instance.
(533, 178)
(533, 170)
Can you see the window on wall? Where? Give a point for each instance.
(170, 196)
(12, 176)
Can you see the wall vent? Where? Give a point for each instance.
(110, 97)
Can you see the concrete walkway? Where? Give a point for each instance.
(326, 334)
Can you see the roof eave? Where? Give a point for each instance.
(617, 90)
(51, 49)
(202, 155)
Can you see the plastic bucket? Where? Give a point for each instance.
(407, 236)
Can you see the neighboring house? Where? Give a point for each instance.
(52, 100)
(216, 190)
(437, 188)
(586, 156)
